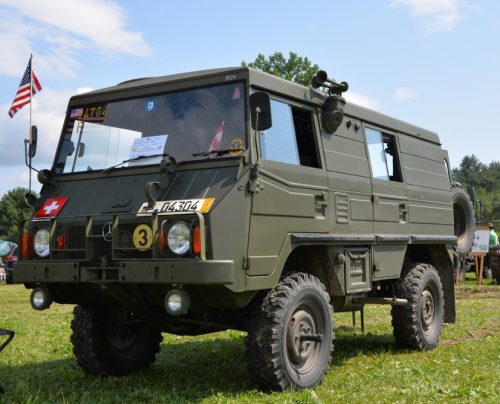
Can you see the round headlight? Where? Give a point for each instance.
(41, 243)
(178, 238)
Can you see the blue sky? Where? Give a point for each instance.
(434, 63)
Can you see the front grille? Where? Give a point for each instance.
(84, 238)
(76, 237)
(76, 243)
(126, 249)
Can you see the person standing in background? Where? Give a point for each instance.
(493, 235)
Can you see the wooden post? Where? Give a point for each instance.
(480, 249)
(479, 265)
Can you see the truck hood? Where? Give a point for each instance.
(114, 194)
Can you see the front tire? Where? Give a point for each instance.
(418, 324)
(110, 341)
(289, 340)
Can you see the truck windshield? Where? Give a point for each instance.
(183, 124)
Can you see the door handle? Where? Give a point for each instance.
(403, 211)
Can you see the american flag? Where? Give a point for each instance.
(24, 95)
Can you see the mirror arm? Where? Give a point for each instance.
(255, 167)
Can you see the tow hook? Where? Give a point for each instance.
(10, 335)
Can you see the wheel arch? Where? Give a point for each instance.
(439, 256)
(314, 260)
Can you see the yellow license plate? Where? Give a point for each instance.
(179, 206)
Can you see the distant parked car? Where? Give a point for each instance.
(9, 265)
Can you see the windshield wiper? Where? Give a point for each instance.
(171, 158)
(217, 152)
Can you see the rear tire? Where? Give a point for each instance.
(279, 354)
(110, 341)
(418, 324)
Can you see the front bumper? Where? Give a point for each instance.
(186, 272)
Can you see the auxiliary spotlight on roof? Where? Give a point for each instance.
(333, 107)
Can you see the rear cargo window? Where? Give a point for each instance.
(383, 154)
(291, 138)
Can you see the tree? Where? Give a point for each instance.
(486, 180)
(12, 211)
(470, 171)
(295, 68)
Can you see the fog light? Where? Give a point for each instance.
(41, 298)
(177, 302)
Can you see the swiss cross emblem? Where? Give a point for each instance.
(51, 207)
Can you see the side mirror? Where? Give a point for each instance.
(30, 199)
(260, 111)
(34, 139)
(333, 113)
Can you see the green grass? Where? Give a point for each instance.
(38, 366)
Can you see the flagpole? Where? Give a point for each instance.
(31, 94)
(30, 138)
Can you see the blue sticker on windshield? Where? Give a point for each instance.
(151, 105)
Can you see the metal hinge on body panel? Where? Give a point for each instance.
(246, 263)
(253, 185)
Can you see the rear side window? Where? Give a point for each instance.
(383, 153)
(291, 139)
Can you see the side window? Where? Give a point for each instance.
(384, 157)
(291, 139)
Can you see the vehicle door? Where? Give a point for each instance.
(389, 201)
(291, 193)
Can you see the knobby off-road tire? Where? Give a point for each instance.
(110, 341)
(418, 324)
(463, 219)
(277, 357)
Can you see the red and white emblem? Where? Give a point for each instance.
(51, 207)
(217, 140)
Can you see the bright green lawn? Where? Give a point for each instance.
(38, 366)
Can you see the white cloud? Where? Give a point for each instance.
(403, 94)
(17, 176)
(441, 15)
(49, 107)
(361, 99)
(64, 27)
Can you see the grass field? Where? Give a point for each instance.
(38, 366)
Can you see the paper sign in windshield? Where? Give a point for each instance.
(148, 146)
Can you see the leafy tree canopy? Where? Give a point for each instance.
(12, 211)
(486, 181)
(294, 68)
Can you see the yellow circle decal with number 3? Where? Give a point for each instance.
(143, 237)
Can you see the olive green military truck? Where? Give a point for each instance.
(233, 199)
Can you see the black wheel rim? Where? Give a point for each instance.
(428, 311)
(302, 353)
(121, 331)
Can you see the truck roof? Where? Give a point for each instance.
(258, 79)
